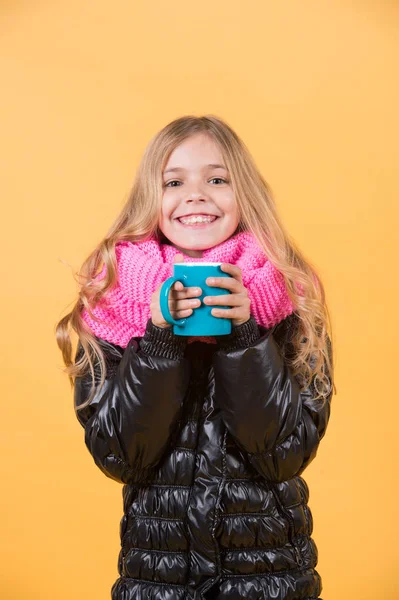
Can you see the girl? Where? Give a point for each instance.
(209, 436)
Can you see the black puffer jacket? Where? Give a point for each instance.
(210, 442)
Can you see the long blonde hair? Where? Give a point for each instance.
(312, 358)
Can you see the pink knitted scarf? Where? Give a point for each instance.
(143, 266)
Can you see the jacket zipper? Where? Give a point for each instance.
(292, 526)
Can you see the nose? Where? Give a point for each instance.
(195, 198)
(191, 199)
(195, 189)
(196, 193)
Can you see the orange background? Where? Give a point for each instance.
(312, 88)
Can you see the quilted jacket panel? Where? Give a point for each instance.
(209, 442)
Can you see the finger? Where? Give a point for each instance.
(228, 283)
(185, 304)
(233, 270)
(229, 313)
(181, 313)
(178, 285)
(187, 292)
(226, 300)
(178, 258)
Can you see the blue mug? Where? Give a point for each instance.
(201, 322)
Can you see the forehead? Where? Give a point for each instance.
(197, 152)
(205, 167)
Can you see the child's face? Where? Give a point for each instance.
(197, 188)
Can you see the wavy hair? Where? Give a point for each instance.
(311, 357)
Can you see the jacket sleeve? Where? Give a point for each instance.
(129, 420)
(271, 420)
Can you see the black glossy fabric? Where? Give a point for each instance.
(210, 442)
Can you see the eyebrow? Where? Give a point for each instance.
(211, 165)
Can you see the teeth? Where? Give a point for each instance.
(190, 220)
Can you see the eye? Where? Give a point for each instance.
(176, 181)
(220, 179)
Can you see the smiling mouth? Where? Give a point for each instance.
(199, 225)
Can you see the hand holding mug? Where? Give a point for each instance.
(182, 300)
(202, 320)
(238, 298)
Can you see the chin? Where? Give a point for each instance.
(199, 245)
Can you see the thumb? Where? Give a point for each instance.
(178, 258)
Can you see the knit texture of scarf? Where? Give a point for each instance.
(143, 266)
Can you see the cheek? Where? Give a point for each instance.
(167, 208)
(233, 213)
(162, 219)
(229, 205)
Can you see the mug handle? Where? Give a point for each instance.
(164, 301)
